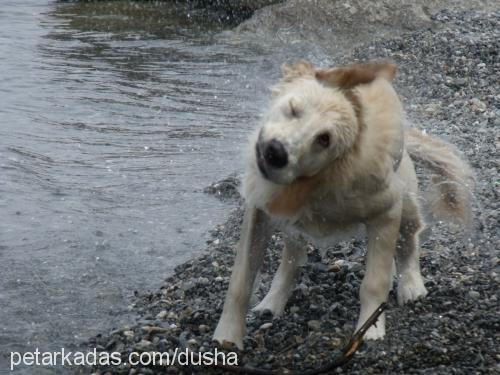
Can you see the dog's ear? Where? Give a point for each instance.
(299, 69)
(347, 77)
(291, 72)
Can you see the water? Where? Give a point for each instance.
(113, 118)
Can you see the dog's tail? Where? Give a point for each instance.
(450, 195)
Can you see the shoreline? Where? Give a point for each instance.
(446, 79)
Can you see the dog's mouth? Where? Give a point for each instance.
(303, 179)
(261, 164)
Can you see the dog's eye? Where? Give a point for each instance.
(323, 140)
(294, 109)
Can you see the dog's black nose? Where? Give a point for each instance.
(275, 154)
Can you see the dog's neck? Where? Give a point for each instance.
(289, 199)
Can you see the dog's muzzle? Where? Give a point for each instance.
(271, 156)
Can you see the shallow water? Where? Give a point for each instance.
(114, 117)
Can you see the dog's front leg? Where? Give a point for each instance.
(382, 235)
(255, 233)
(294, 255)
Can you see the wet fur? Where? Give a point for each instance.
(366, 178)
(450, 195)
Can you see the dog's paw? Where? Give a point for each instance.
(271, 304)
(376, 331)
(410, 288)
(228, 333)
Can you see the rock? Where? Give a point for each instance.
(154, 329)
(203, 281)
(143, 345)
(314, 325)
(334, 268)
(477, 105)
(474, 294)
(265, 326)
(225, 189)
(188, 286)
(129, 333)
(203, 328)
(238, 5)
(162, 314)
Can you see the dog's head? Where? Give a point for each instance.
(313, 119)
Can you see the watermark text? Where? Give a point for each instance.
(177, 357)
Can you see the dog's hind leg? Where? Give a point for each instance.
(294, 255)
(255, 234)
(382, 236)
(410, 282)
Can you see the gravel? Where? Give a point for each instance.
(319, 26)
(448, 78)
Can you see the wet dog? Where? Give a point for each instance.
(333, 153)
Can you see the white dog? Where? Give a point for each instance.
(333, 154)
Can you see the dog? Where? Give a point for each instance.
(333, 153)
